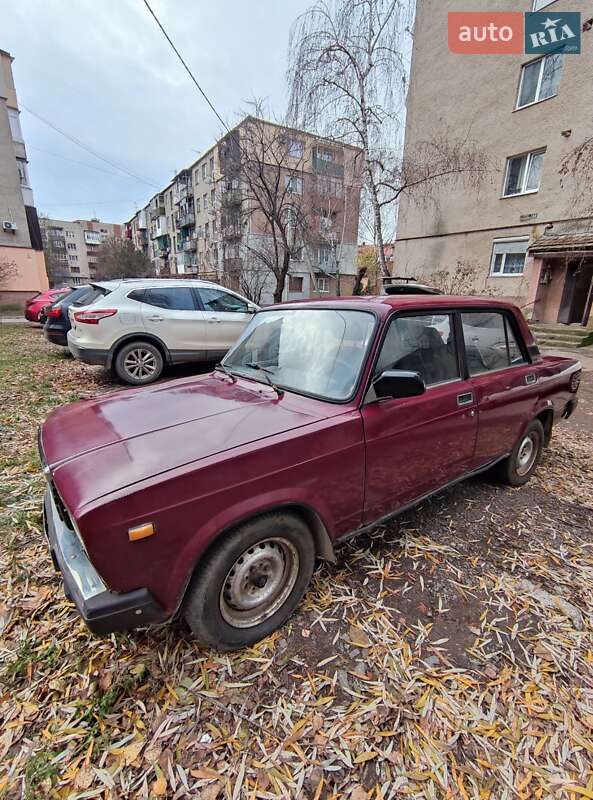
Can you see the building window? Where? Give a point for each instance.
(330, 186)
(523, 173)
(293, 184)
(539, 79)
(69, 234)
(212, 166)
(15, 125)
(322, 284)
(71, 246)
(508, 257)
(295, 284)
(203, 172)
(205, 202)
(212, 195)
(21, 166)
(537, 4)
(72, 258)
(296, 254)
(198, 205)
(325, 155)
(323, 254)
(295, 148)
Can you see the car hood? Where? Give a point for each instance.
(94, 447)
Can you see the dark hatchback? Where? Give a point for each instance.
(57, 323)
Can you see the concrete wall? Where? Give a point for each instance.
(29, 278)
(475, 97)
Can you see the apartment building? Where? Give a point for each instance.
(20, 237)
(525, 233)
(204, 222)
(72, 247)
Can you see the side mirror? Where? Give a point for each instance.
(251, 308)
(399, 383)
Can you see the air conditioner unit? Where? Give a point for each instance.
(7, 225)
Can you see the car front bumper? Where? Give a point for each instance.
(89, 356)
(102, 610)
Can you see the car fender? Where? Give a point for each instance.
(230, 517)
(130, 337)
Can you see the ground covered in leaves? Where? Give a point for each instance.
(449, 655)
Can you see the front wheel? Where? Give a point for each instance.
(251, 582)
(518, 468)
(138, 363)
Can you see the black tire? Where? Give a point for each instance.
(147, 358)
(209, 601)
(518, 468)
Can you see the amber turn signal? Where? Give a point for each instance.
(141, 532)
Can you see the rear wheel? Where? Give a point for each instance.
(138, 363)
(518, 468)
(251, 582)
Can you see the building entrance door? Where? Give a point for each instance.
(577, 295)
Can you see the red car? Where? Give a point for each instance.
(34, 305)
(215, 494)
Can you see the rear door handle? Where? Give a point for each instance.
(214, 319)
(465, 399)
(155, 319)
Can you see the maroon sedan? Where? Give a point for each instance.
(214, 495)
(35, 304)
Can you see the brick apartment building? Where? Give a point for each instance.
(529, 237)
(72, 247)
(20, 237)
(203, 224)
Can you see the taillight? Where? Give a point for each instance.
(575, 380)
(53, 312)
(94, 317)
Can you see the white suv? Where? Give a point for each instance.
(136, 326)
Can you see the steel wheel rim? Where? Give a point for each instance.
(259, 582)
(526, 454)
(140, 363)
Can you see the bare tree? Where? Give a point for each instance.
(577, 169)
(8, 270)
(118, 258)
(347, 73)
(464, 278)
(264, 210)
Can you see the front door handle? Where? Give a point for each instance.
(214, 319)
(465, 399)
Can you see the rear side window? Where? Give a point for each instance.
(94, 293)
(137, 294)
(217, 300)
(490, 343)
(423, 344)
(177, 298)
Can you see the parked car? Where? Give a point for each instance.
(138, 326)
(215, 494)
(57, 319)
(35, 304)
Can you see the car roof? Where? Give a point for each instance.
(383, 305)
(152, 282)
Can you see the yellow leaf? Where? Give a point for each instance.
(159, 787)
(368, 755)
(580, 790)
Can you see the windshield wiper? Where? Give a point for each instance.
(221, 368)
(267, 373)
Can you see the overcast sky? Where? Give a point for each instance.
(104, 73)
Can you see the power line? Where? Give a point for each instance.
(82, 163)
(90, 149)
(188, 70)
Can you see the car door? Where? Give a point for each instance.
(225, 315)
(172, 314)
(502, 379)
(416, 445)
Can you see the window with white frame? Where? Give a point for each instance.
(523, 173)
(539, 79)
(323, 254)
(295, 148)
(21, 166)
(15, 125)
(509, 256)
(537, 4)
(293, 184)
(322, 284)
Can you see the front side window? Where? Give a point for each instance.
(508, 256)
(311, 351)
(423, 344)
(540, 79)
(178, 298)
(217, 300)
(490, 343)
(523, 173)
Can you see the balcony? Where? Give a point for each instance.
(232, 231)
(190, 245)
(157, 211)
(187, 219)
(324, 167)
(231, 198)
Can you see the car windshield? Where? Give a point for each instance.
(310, 351)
